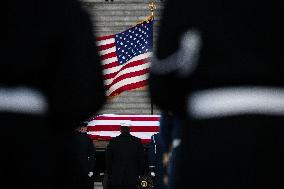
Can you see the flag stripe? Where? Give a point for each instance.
(127, 84)
(126, 87)
(107, 138)
(109, 55)
(105, 37)
(126, 76)
(109, 60)
(103, 52)
(114, 71)
(106, 126)
(118, 122)
(105, 42)
(108, 66)
(117, 128)
(110, 76)
(127, 117)
(114, 59)
(127, 69)
(144, 135)
(105, 48)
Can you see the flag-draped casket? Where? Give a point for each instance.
(106, 126)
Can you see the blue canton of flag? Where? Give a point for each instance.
(134, 41)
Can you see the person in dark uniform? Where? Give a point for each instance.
(170, 136)
(219, 64)
(50, 80)
(155, 161)
(80, 168)
(124, 160)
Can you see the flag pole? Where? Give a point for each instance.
(152, 7)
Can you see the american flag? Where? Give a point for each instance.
(106, 126)
(126, 58)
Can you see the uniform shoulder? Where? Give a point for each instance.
(154, 136)
(117, 138)
(135, 138)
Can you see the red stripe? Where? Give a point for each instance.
(145, 141)
(98, 137)
(109, 55)
(105, 47)
(128, 118)
(110, 65)
(110, 75)
(108, 138)
(130, 86)
(103, 128)
(131, 64)
(105, 37)
(117, 128)
(128, 75)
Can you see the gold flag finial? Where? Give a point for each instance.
(152, 7)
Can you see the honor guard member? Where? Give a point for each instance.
(220, 64)
(50, 80)
(124, 160)
(155, 161)
(170, 134)
(81, 165)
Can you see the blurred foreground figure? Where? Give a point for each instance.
(50, 80)
(220, 64)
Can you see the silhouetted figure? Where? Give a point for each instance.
(80, 166)
(170, 134)
(124, 160)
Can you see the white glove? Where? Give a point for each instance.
(152, 174)
(90, 174)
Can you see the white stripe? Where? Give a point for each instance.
(105, 133)
(109, 60)
(118, 122)
(127, 115)
(128, 70)
(105, 42)
(126, 82)
(141, 135)
(133, 69)
(110, 50)
(117, 68)
(112, 70)
(22, 100)
(236, 101)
